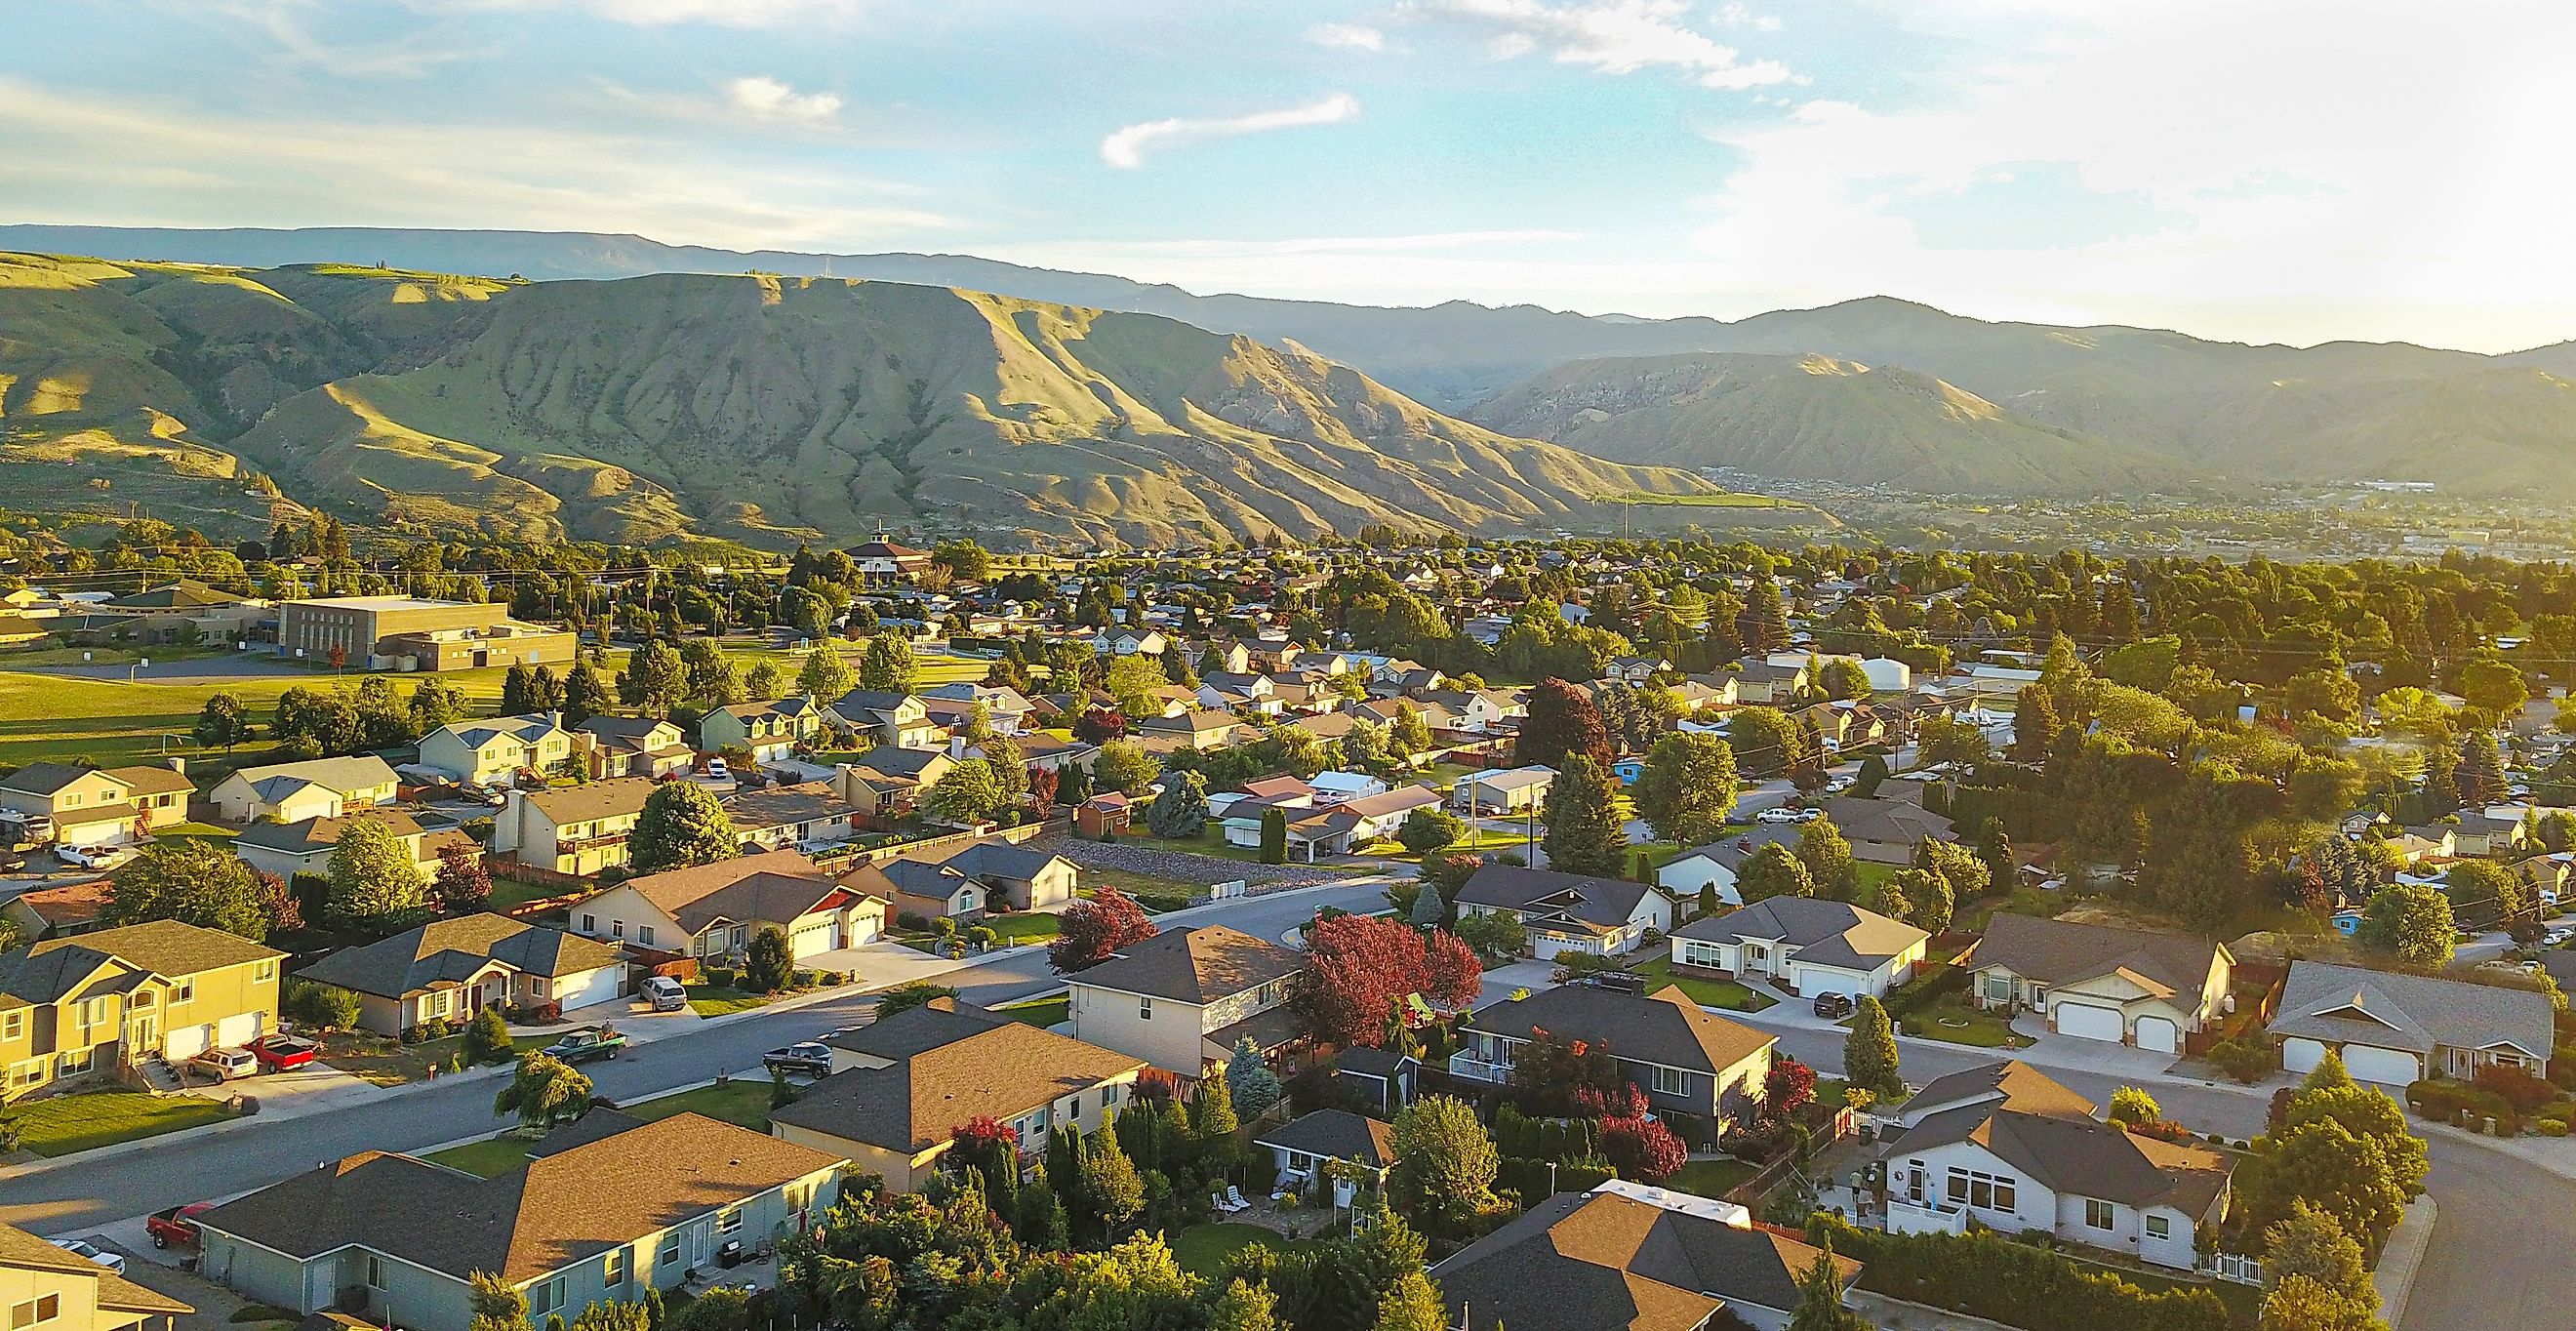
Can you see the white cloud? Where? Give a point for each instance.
(765, 98)
(1126, 149)
(1347, 37)
(1735, 14)
(666, 13)
(1611, 36)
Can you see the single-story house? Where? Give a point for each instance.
(1302, 1146)
(288, 849)
(450, 970)
(2393, 1028)
(1567, 912)
(293, 792)
(46, 1288)
(2101, 981)
(1810, 945)
(784, 816)
(1716, 864)
(1884, 831)
(715, 910)
(1509, 791)
(390, 1236)
(900, 1089)
(2006, 1148)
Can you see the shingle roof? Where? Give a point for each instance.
(1200, 965)
(616, 797)
(315, 833)
(1828, 933)
(1606, 1262)
(2030, 1130)
(44, 778)
(887, 760)
(363, 771)
(773, 888)
(1884, 820)
(1338, 1134)
(451, 951)
(2394, 1010)
(2027, 1088)
(537, 1218)
(2062, 952)
(1607, 902)
(41, 974)
(149, 779)
(1662, 1027)
(959, 1064)
(23, 1251)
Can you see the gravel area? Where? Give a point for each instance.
(1181, 866)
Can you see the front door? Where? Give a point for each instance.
(698, 1246)
(142, 1037)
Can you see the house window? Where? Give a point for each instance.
(1671, 1081)
(617, 928)
(264, 971)
(2099, 1214)
(94, 1012)
(185, 991)
(644, 934)
(1144, 1009)
(2159, 1227)
(375, 1271)
(614, 1271)
(590, 924)
(1703, 954)
(35, 1312)
(729, 1220)
(75, 1063)
(671, 1253)
(1985, 1192)
(545, 1296)
(13, 1025)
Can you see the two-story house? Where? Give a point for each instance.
(293, 792)
(2004, 1147)
(572, 829)
(104, 1002)
(2101, 981)
(760, 729)
(499, 751)
(1809, 945)
(886, 782)
(715, 910)
(780, 817)
(93, 806)
(393, 1238)
(1566, 912)
(1684, 1059)
(450, 970)
(1182, 999)
(897, 720)
(46, 1288)
(900, 1089)
(2393, 1028)
(645, 746)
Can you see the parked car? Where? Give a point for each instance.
(717, 771)
(1834, 1007)
(226, 1064)
(175, 1224)
(809, 1057)
(663, 993)
(588, 1043)
(277, 1053)
(2557, 936)
(113, 1261)
(12, 863)
(1810, 815)
(1783, 814)
(94, 857)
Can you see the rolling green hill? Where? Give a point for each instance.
(764, 409)
(1812, 417)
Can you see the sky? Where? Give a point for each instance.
(2274, 170)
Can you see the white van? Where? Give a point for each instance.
(663, 993)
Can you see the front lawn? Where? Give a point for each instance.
(1023, 926)
(1040, 1012)
(1952, 1021)
(1710, 1178)
(743, 1101)
(384, 1061)
(1707, 993)
(508, 892)
(83, 1121)
(716, 1000)
(489, 1158)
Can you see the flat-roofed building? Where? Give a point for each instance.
(387, 632)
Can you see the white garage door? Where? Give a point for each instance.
(2087, 1022)
(2388, 1067)
(807, 942)
(239, 1029)
(1814, 980)
(186, 1041)
(2159, 1034)
(2301, 1055)
(598, 986)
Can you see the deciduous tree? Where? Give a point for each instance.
(1360, 967)
(1562, 722)
(1090, 931)
(190, 881)
(1688, 787)
(681, 825)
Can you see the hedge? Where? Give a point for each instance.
(2442, 1101)
(1518, 1134)
(1933, 981)
(1985, 1275)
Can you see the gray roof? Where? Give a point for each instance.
(44, 778)
(1663, 1027)
(1605, 1262)
(2033, 1127)
(2062, 952)
(1201, 965)
(1826, 933)
(451, 951)
(45, 972)
(363, 771)
(887, 760)
(1885, 821)
(994, 858)
(2394, 1010)
(1338, 1134)
(1607, 902)
(1732, 852)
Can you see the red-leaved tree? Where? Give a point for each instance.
(1092, 930)
(1042, 784)
(1359, 966)
(986, 1143)
(1642, 1148)
(1790, 1087)
(1099, 725)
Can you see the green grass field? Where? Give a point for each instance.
(1706, 993)
(1202, 1250)
(86, 1121)
(1041, 1012)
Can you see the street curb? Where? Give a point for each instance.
(2403, 1257)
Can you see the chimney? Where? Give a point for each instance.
(177, 764)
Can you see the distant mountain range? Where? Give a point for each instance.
(764, 409)
(1919, 398)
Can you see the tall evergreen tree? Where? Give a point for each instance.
(1584, 833)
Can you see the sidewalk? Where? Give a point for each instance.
(2555, 1155)
(2398, 1262)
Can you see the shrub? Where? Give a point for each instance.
(2025, 1285)
(487, 1040)
(2443, 1101)
(436, 1028)
(2552, 1127)
(2526, 1093)
(2246, 1060)
(1927, 987)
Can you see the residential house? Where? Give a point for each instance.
(2484, 834)
(1338, 787)
(1183, 998)
(900, 1089)
(391, 1237)
(882, 558)
(2005, 1148)
(1758, 682)
(897, 720)
(805, 814)
(1566, 912)
(2393, 1028)
(1241, 819)
(451, 970)
(1684, 1059)
(1042, 754)
(66, 909)
(715, 910)
(1006, 709)
(288, 849)
(1103, 815)
(886, 782)
(963, 882)
(46, 1288)
(293, 792)
(87, 806)
(496, 752)
(2101, 981)
(1301, 1148)
(572, 829)
(104, 1002)
(1807, 945)
(1884, 831)
(1715, 865)
(1341, 828)
(1636, 669)
(757, 728)
(1380, 1077)
(1624, 1257)
(1481, 711)
(636, 746)
(1192, 729)
(1502, 793)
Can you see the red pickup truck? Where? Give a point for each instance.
(277, 1053)
(178, 1224)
